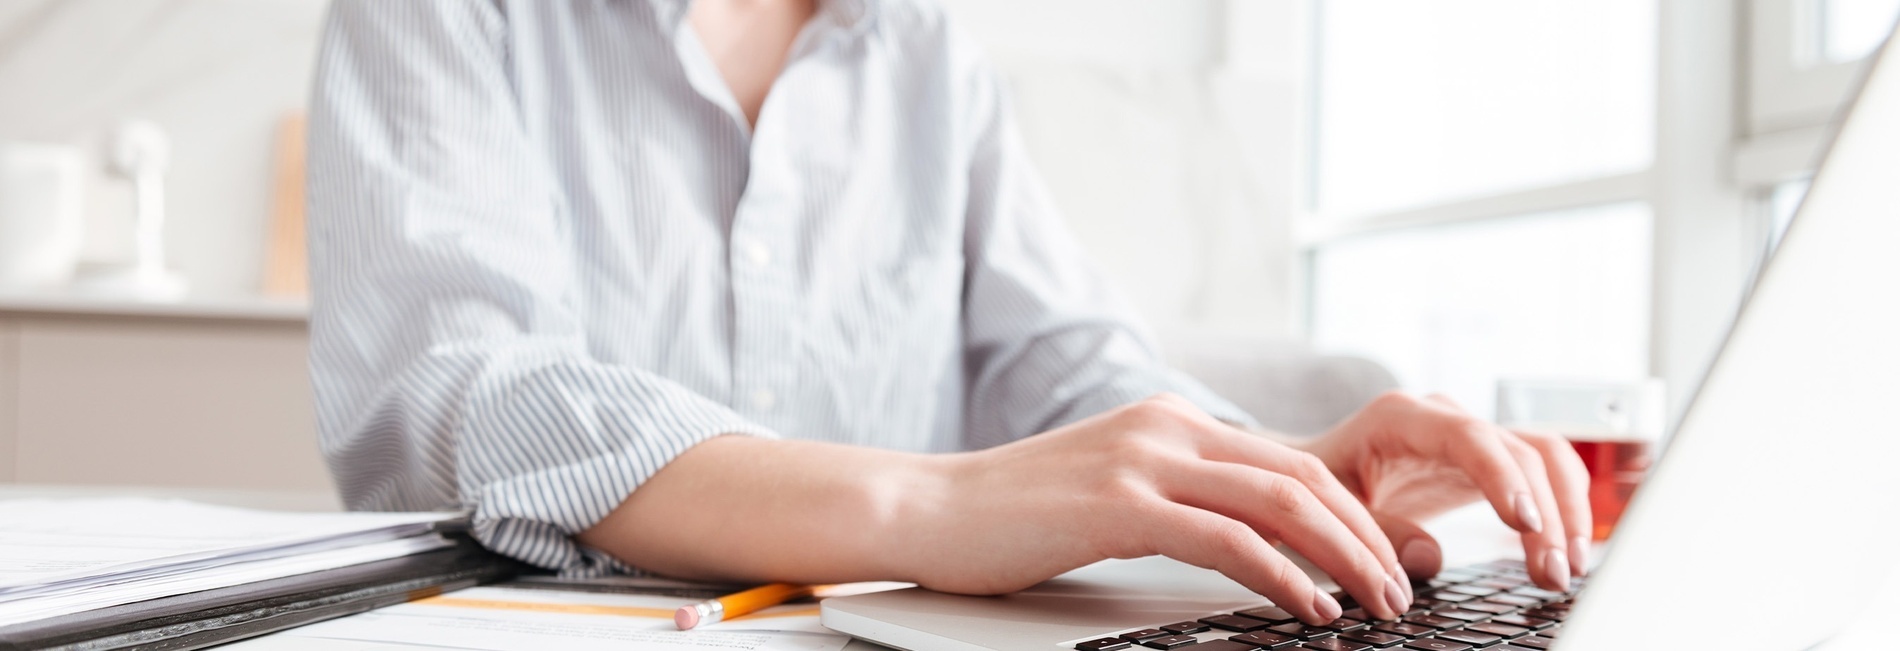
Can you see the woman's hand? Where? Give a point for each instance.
(1155, 477)
(1410, 459)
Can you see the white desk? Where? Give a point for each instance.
(1470, 535)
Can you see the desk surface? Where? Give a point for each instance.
(1470, 535)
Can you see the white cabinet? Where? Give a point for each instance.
(214, 399)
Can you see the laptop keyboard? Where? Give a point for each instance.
(1492, 606)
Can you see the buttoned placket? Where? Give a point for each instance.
(761, 243)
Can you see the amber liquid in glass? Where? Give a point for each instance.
(1616, 467)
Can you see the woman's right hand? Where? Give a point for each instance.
(1155, 477)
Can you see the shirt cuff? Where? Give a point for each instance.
(533, 515)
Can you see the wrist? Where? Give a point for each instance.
(918, 514)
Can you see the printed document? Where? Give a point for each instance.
(64, 556)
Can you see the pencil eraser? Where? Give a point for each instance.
(686, 617)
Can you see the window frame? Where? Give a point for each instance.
(1706, 241)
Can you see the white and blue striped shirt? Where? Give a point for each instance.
(549, 254)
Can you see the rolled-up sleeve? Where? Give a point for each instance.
(449, 360)
(1048, 340)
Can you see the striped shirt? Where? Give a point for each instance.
(549, 254)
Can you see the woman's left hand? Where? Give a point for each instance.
(1411, 459)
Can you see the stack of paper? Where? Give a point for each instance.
(65, 556)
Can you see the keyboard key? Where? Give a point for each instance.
(1143, 634)
(1462, 615)
(1358, 614)
(1235, 623)
(1303, 631)
(1104, 644)
(1488, 607)
(1538, 593)
(1446, 595)
(1434, 621)
(1379, 639)
(1169, 642)
(1535, 642)
(1335, 644)
(1345, 624)
(1532, 623)
(1266, 639)
(1470, 637)
(1514, 600)
(1402, 628)
(1500, 630)
(1184, 628)
(1547, 613)
(1459, 576)
(1435, 644)
(1501, 583)
(1269, 614)
(1223, 645)
(1473, 590)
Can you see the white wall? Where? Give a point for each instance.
(1166, 131)
(216, 74)
(1171, 157)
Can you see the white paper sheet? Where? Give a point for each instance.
(45, 543)
(513, 619)
(124, 592)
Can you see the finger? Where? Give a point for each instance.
(1570, 483)
(1216, 542)
(1235, 446)
(1282, 506)
(1545, 551)
(1221, 442)
(1419, 552)
(1479, 449)
(1446, 401)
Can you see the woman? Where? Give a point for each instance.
(767, 289)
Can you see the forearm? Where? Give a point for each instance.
(739, 508)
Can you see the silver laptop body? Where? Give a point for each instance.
(1779, 493)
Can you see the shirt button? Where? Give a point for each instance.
(758, 253)
(764, 399)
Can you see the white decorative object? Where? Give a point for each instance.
(41, 223)
(141, 151)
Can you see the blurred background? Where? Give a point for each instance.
(1460, 191)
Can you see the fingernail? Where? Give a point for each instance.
(1405, 581)
(1556, 569)
(1420, 555)
(1395, 597)
(1527, 514)
(1579, 555)
(1324, 604)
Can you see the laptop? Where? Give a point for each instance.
(1774, 512)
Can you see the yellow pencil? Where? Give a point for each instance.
(712, 611)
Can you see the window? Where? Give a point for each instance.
(1545, 188)
(1477, 208)
(1426, 102)
(1848, 30)
(1805, 56)
(1454, 308)
(1782, 202)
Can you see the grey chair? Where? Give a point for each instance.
(1285, 384)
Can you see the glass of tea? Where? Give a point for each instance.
(1614, 426)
